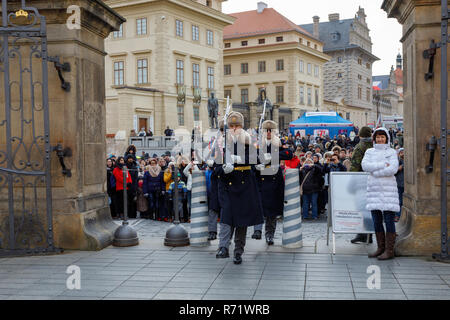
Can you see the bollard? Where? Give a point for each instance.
(292, 218)
(176, 235)
(125, 235)
(199, 210)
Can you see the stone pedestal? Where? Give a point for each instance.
(81, 217)
(419, 227)
(253, 107)
(276, 114)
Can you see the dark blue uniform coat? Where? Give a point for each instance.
(239, 195)
(272, 187)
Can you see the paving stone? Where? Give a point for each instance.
(427, 292)
(327, 295)
(324, 288)
(84, 293)
(177, 296)
(229, 297)
(372, 296)
(185, 291)
(425, 286)
(25, 297)
(426, 297)
(230, 291)
(133, 295)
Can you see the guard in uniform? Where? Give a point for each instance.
(240, 198)
(271, 180)
(213, 195)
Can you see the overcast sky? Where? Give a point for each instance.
(385, 33)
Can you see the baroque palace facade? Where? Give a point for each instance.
(163, 63)
(262, 48)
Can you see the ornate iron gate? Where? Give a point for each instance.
(25, 183)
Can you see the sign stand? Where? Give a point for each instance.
(350, 210)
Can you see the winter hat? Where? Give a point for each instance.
(365, 132)
(381, 131)
(236, 119)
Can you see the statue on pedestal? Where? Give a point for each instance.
(213, 107)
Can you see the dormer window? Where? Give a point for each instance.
(335, 36)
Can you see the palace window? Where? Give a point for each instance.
(196, 75)
(279, 94)
(118, 73)
(179, 28)
(261, 66)
(209, 37)
(195, 33)
(119, 34)
(141, 26)
(180, 71)
(142, 68)
(244, 67)
(227, 69)
(244, 96)
(210, 77)
(280, 65)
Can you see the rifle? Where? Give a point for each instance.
(225, 128)
(261, 120)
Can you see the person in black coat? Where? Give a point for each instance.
(109, 188)
(310, 176)
(271, 179)
(242, 203)
(154, 187)
(130, 162)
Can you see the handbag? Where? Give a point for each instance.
(301, 186)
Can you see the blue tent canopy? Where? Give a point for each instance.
(321, 124)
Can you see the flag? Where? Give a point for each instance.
(376, 85)
(379, 124)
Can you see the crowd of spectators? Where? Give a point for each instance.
(150, 180)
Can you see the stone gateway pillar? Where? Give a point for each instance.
(81, 218)
(419, 227)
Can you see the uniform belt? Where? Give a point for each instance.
(243, 168)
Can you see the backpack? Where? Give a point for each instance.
(112, 180)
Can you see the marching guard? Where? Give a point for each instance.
(271, 180)
(239, 196)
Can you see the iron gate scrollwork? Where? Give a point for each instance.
(26, 224)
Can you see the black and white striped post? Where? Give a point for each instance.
(199, 210)
(292, 218)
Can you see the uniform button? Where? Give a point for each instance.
(243, 182)
(262, 179)
(230, 183)
(219, 177)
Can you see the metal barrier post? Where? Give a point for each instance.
(125, 236)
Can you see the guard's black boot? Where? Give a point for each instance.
(269, 239)
(256, 235)
(212, 235)
(222, 253)
(237, 258)
(360, 237)
(370, 238)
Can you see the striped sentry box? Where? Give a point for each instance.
(199, 210)
(292, 218)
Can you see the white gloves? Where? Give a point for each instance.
(260, 167)
(235, 159)
(227, 168)
(210, 163)
(267, 158)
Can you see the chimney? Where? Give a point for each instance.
(316, 20)
(261, 6)
(333, 17)
(362, 15)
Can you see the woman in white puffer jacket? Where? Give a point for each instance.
(381, 162)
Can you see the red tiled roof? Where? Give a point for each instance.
(399, 76)
(252, 23)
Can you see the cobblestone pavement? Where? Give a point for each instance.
(153, 271)
(312, 230)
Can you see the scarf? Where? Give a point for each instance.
(154, 171)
